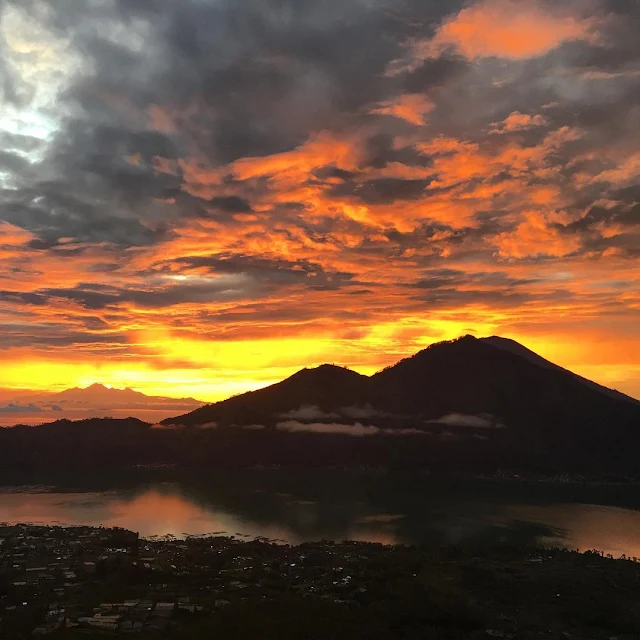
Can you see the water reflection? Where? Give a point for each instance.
(152, 511)
(335, 506)
(588, 526)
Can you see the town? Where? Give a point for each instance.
(83, 582)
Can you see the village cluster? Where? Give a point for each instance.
(110, 579)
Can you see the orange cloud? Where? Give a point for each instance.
(320, 150)
(456, 161)
(535, 236)
(12, 235)
(410, 107)
(511, 29)
(517, 121)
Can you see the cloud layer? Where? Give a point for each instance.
(354, 430)
(198, 197)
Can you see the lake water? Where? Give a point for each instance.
(294, 507)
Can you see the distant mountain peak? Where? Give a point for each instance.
(94, 401)
(98, 392)
(108, 387)
(100, 389)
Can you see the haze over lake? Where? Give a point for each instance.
(294, 507)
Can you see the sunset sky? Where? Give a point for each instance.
(200, 197)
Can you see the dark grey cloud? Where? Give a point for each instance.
(444, 298)
(302, 310)
(434, 73)
(95, 297)
(236, 278)
(12, 162)
(231, 204)
(52, 215)
(383, 190)
(334, 172)
(434, 279)
(233, 79)
(19, 142)
(19, 408)
(275, 272)
(381, 149)
(27, 298)
(52, 335)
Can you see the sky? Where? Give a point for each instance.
(199, 197)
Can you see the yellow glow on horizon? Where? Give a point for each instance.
(168, 365)
(207, 385)
(211, 371)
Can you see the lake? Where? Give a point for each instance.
(294, 507)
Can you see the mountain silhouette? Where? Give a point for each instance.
(101, 394)
(466, 405)
(487, 382)
(324, 387)
(533, 398)
(95, 401)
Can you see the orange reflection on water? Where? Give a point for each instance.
(166, 508)
(153, 511)
(586, 527)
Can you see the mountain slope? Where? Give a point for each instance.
(473, 376)
(521, 350)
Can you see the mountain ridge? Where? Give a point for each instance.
(94, 401)
(98, 390)
(474, 376)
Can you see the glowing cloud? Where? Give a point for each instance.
(410, 107)
(536, 236)
(517, 121)
(512, 29)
